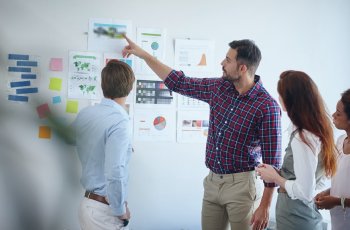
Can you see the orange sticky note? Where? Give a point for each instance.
(45, 132)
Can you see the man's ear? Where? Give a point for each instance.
(243, 68)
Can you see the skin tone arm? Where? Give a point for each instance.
(270, 175)
(158, 67)
(260, 217)
(126, 216)
(324, 200)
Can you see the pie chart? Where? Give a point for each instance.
(159, 123)
(154, 45)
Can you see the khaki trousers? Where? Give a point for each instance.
(230, 200)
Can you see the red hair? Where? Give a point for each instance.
(306, 109)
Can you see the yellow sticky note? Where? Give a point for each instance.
(55, 84)
(72, 107)
(45, 132)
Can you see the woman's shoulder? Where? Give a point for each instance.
(340, 143)
(312, 141)
(341, 139)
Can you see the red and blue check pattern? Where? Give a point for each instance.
(243, 129)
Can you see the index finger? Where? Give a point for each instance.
(126, 38)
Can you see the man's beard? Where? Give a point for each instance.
(231, 79)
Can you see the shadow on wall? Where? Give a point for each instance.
(38, 187)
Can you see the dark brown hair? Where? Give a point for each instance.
(247, 54)
(345, 99)
(306, 109)
(117, 79)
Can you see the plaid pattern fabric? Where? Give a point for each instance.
(243, 129)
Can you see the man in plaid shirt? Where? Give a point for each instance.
(244, 128)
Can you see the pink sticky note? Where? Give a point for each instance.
(43, 110)
(56, 64)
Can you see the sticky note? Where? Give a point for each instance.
(19, 69)
(56, 100)
(45, 132)
(28, 76)
(26, 90)
(19, 84)
(55, 84)
(72, 107)
(18, 57)
(56, 64)
(27, 63)
(43, 110)
(17, 98)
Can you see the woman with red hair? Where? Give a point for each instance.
(310, 154)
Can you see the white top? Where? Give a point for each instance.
(305, 165)
(341, 188)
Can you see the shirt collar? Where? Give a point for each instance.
(112, 103)
(253, 92)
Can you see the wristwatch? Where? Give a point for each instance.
(125, 222)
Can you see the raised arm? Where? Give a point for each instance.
(158, 67)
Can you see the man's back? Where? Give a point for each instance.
(101, 128)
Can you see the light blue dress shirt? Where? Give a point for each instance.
(103, 139)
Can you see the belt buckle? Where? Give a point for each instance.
(88, 196)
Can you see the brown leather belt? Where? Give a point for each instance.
(96, 197)
(281, 190)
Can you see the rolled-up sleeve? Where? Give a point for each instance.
(305, 160)
(271, 136)
(198, 88)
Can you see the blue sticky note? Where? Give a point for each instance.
(56, 100)
(19, 69)
(26, 90)
(18, 57)
(129, 62)
(28, 76)
(27, 63)
(19, 83)
(17, 98)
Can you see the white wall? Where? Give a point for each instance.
(165, 179)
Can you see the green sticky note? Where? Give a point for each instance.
(72, 107)
(55, 84)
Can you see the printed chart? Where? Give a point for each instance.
(152, 40)
(192, 126)
(194, 57)
(105, 34)
(152, 93)
(84, 75)
(154, 125)
(190, 103)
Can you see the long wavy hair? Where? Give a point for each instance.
(306, 109)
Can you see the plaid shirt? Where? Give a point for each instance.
(243, 129)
